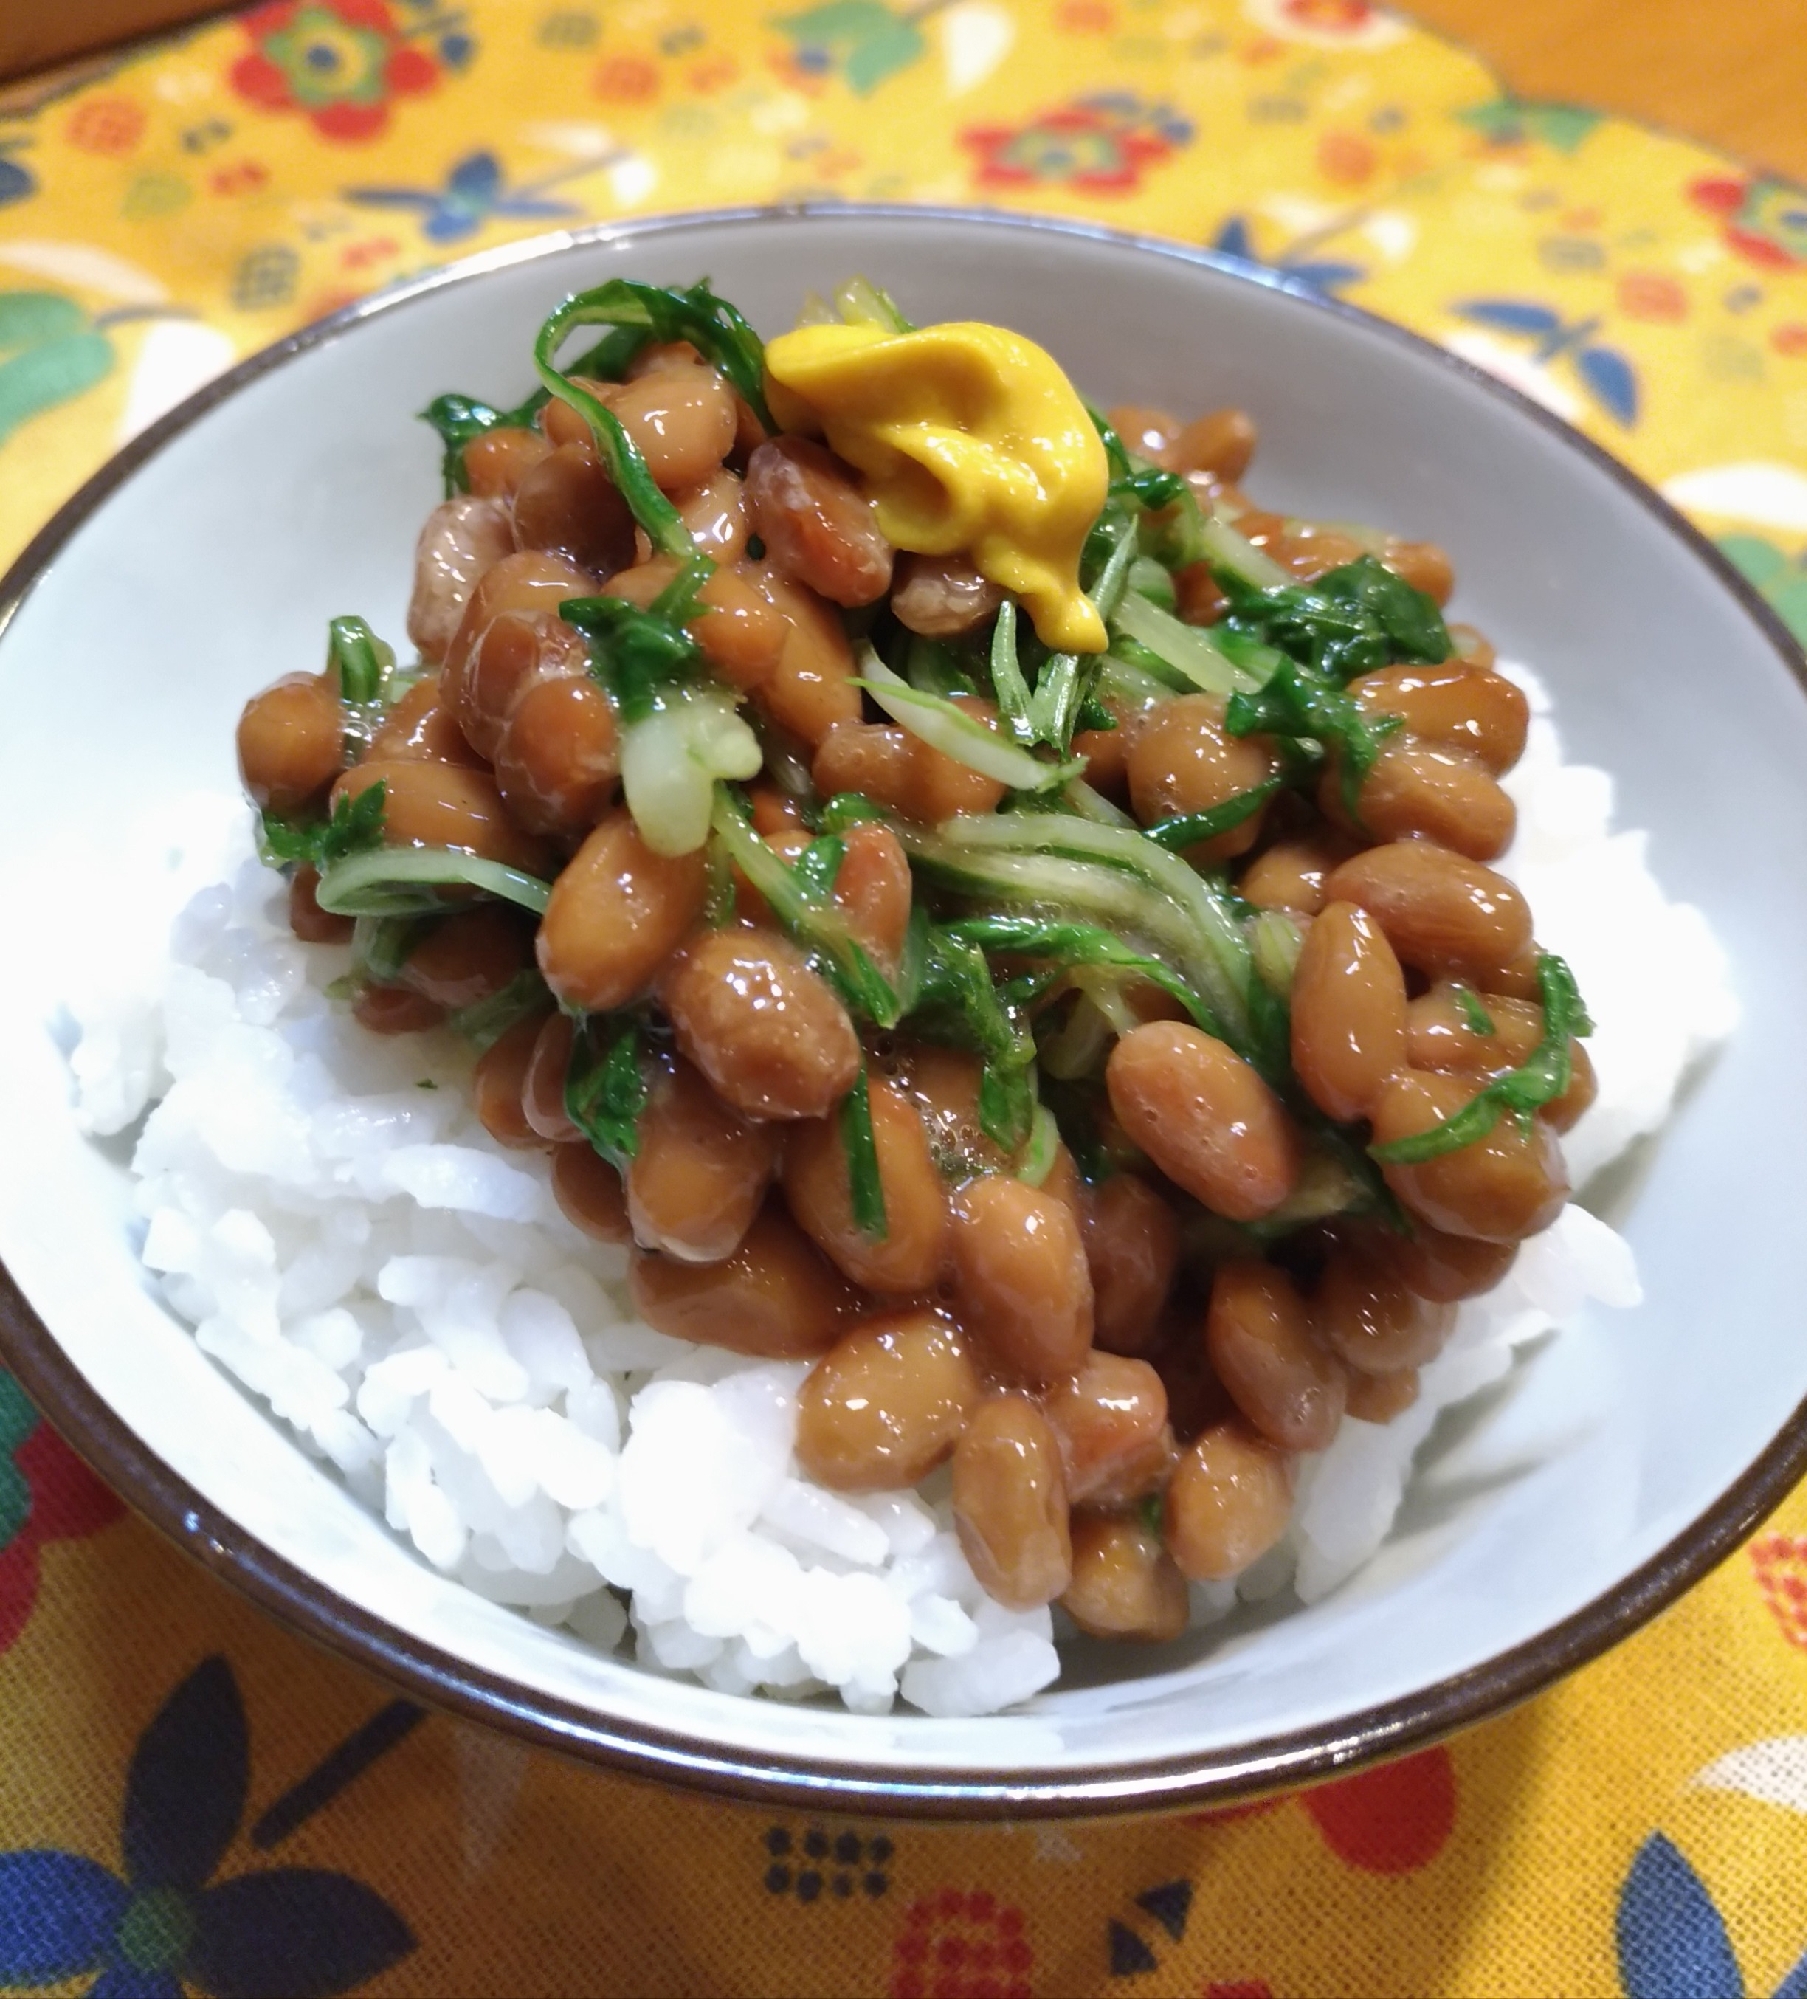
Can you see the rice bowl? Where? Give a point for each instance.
(1689, 1025)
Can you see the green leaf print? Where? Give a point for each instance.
(1510, 120)
(1783, 582)
(39, 378)
(28, 319)
(863, 39)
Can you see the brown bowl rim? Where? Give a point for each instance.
(1188, 1782)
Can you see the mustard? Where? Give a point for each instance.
(972, 442)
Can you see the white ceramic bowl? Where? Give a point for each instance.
(205, 561)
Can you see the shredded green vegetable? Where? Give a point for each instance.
(949, 729)
(1076, 944)
(359, 657)
(817, 926)
(865, 1188)
(1475, 1016)
(1189, 650)
(412, 881)
(605, 1087)
(1539, 1080)
(486, 1021)
(354, 827)
(1187, 829)
(1350, 621)
(1301, 702)
(381, 945)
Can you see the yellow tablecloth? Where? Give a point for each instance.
(185, 1790)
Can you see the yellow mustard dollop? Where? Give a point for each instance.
(972, 442)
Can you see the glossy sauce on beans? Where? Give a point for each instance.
(1260, 1339)
(776, 1297)
(1010, 1503)
(1021, 1285)
(1111, 1421)
(908, 1258)
(1132, 1246)
(1227, 1502)
(471, 956)
(1205, 1118)
(446, 805)
(817, 525)
(767, 1031)
(1125, 1584)
(617, 913)
(1182, 759)
(700, 1171)
(1503, 1187)
(1444, 914)
(1373, 1320)
(1348, 1012)
(887, 1404)
(1456, 706)
(291, 741)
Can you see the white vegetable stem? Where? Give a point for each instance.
(1190, 648)
(670, 763)
(956, 734)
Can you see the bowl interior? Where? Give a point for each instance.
(213, 567)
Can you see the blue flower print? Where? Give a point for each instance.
(1322, 274)
(1604, 372)
(474, 193)
(291, 1930)
(1671, 1938)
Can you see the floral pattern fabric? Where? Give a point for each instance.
(192, 1800)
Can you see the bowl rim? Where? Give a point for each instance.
(1218, 1777)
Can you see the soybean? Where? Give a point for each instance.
(815, 522)
(1227, 1502)
(1125, 1584)
(1258, 1335)
(907, 1259)
(1111, 1419)
(1445, 915)
(887, 1404)
(617, 912)
(1503, 1187)
(1132, 1247)
(700, 1171)
(291, 741)
(1010, 1503)
(776, 1298)
(1021, 1285)
(1205, 1118)
(1372, 1320)
(1348, 1012)
(767, 1031)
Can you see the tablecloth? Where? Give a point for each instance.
(191, 1796)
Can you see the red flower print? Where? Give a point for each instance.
(1346, 158)
(1781, 1566)
(961, 1946)
(1763, 219)
(337, 61)
(107, 125)
(1652, 295)
(626, 80)
(46, 1494)
(238, 178)
(1391, 1820)
(1099, 145)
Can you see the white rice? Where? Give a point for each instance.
(323, 1208)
